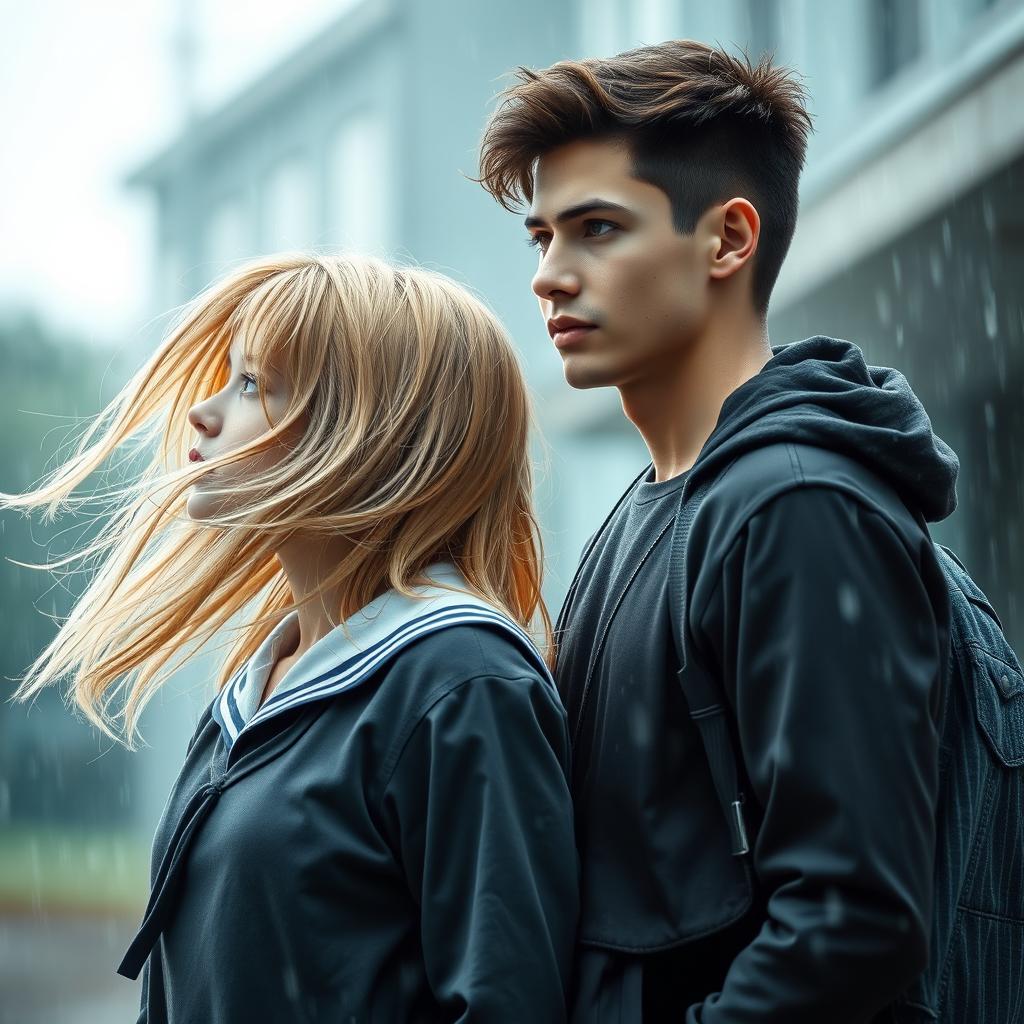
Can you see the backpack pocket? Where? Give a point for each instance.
(999, 700)
(983, 981)
(992, 885)
(985, 662)
(983, 967)
(990, 763)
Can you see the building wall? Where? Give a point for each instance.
(365, 139)
(909, 232)
(910, 243)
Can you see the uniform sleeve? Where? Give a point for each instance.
(832, 653)
(143, 1017)
(480, 804)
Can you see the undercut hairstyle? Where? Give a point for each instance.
(700, 124)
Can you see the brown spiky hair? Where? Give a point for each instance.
(701, 124)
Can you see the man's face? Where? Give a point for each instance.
(611, 257)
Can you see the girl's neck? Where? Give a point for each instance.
(306, 562)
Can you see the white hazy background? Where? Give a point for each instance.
(88, 91)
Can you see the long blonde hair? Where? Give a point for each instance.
(416, 448)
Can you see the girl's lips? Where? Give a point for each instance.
(571, 336)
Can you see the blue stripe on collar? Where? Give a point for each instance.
(342, 660)
(354, 671)
(225, 712)
(237, 719)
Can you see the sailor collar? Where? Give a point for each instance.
(338, 661)
(354, 650)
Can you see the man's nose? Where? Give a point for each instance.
(554, 277)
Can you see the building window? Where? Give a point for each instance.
(171, 286)
(896, 37)
(655, 21)
(606, 27)
(762, 18)
(288, 207)
(603, 26)
(358, 184)
(227, 239)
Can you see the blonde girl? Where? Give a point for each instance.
(373, 821)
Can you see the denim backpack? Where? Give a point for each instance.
(975, 971)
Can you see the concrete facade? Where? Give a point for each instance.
(909, 241)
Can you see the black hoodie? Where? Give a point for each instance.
(814, 598)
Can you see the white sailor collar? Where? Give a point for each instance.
(351, 653)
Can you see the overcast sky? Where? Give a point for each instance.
(87, 92)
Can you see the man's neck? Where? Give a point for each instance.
(676, 408)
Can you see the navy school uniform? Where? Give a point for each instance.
(387, 838)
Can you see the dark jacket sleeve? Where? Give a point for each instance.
(481, 807)
(827, 640)
(143, 1017)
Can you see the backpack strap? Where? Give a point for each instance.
(703, 693)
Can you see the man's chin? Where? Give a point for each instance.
(584, 375)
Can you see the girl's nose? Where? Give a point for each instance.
(203, 419)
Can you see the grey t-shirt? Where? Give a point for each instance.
(634, 751)
(640, 527)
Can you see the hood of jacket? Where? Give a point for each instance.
(821, 392)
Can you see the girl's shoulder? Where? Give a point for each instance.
(460, 652)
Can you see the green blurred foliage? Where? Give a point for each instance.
(54, 769)
(49, 384)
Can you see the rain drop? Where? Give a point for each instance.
(989, 307)
(639, 724)
(897, 271)
(988, 214)
(849, 603)
(884, 306)
(833, 907)
(783, 752)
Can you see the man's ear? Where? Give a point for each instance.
(737, 227)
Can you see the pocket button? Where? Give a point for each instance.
(1005, 685)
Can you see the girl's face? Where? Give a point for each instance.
(229, 419)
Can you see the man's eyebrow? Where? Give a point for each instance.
(587, 206)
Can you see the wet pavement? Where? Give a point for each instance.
(61, 970)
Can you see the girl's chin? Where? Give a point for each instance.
(199, 505)
(202, 503)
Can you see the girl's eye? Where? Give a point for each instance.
(248, 378)
(600, 223)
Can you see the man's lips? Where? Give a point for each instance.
(567, 331)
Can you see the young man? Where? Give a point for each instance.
(662, 192)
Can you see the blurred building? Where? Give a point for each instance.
(910, 240)
(911, 243)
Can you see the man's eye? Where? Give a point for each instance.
(598, 223)
(538, 241)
